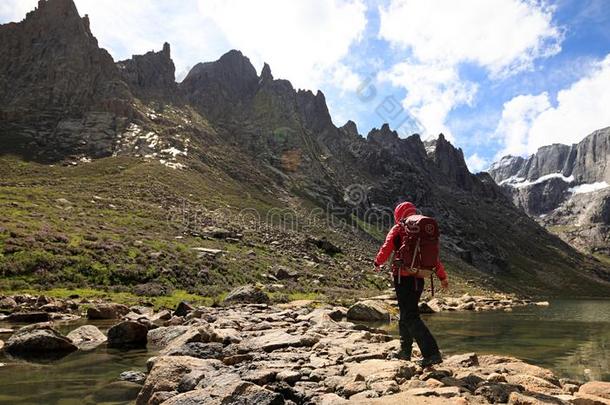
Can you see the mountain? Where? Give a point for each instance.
(234, 161)
(566, 188)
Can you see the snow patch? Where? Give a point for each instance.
(505, 161)
(173, 165)
(520, 182)
(174, 152)
(589, 188)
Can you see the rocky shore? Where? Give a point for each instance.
(296, 353)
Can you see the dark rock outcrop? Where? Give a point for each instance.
(39, 342)
(565, 188)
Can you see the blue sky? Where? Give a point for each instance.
(495, 76)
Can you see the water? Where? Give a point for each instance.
(570, 337)
(80, 378)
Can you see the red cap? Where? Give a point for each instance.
(404, 210)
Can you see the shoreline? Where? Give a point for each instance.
(299, 353)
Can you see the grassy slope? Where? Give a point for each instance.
(118, 223)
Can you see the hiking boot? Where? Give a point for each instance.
(404, 355)
(430, 361)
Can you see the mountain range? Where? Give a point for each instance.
(256, 170)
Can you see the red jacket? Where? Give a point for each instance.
(392, 244)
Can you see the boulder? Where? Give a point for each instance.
(278, 339)
(127, 334)
(29, 317)
(200, 350)
(40, 342)
(369, 310)
(7, 303)
(167, 372)
(1, 345)
(247, 294)
(87, 337)
(107, 311)
(183, 309)
(240, 392)
(161, 337)
(115, 392)
(593, 393)
(463, 360)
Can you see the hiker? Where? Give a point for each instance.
(405, 237)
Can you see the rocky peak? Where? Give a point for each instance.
(221, 87)
(450, 161)
(314, 111)
(151, 75)
(384, 136)
(350, 128)
(266, 75)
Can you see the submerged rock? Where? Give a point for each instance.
(42, 342)
(137, 377)
(127, 334)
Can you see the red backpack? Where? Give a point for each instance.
(419, 250)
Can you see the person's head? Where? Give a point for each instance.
(404, 210)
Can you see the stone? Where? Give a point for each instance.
(7, 303)
(596, 388)
(247, 294)
(127, 334)
(137, 377)
(39, 342)
(116, 392)
(1, 345)
(289, 376)
(463, 360)
(107, 311)
(498, 392)
(87, 337)
(278, 339)
(236, 393)
(183, 309)
(199, 350)
(167, 372)
(338, 313)
(369, 310)
(29, 317)
(161, 337)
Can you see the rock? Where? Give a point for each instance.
(183, 309)
(161, 337)
(289, 376)
(107, 311)
(369, 310)
(167, 372)
(6, 331)
(199, 350)
(1, 345)
(463, 360)
(338, 313)
(39, 342)
(247, 294)
(497, 393)
(86, 337)
(127, 334)
(278, 340)
(7, 303)
(534, 383)
(445, 392)
(236, 393)
(260, 377)
(137, 377)
(29, 317)
(596, 388)
(543, 303)
(284, 273)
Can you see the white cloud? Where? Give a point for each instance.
(518, 115)
(477, 163)
(302, 40)
(502, 36)
(529, 122)
(432, 91)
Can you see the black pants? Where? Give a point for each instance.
(410, 326)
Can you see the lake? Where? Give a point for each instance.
(570, 337)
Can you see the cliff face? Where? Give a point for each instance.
(566, 188)
(151, 76)
(226, 120)
(59, 92)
